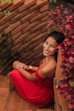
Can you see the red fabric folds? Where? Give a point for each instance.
(38, 76)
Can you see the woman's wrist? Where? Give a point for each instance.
(18, 67)
(30, 67)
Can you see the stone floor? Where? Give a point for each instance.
(11, 101)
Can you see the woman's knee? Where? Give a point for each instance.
(13, 72)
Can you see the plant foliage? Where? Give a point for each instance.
(53, 1)
(7, 1)
(65, 21)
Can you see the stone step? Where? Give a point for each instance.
(11, 101)
(15, 102)
(4, 81)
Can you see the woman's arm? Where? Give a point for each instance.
(17, 64)
(33, 68)
(47, 70)
(26, 74)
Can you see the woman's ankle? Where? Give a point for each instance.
(11, 86)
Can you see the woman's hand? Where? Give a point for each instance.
(17, 65)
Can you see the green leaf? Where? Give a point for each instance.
(50, 1)
(71, 84)
(8, 1)
(55, 1)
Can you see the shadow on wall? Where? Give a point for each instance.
(7, 57)
(70, 1)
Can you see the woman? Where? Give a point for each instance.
(35, 84)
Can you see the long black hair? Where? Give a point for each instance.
(58, 37)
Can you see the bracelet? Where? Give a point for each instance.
(30, 67)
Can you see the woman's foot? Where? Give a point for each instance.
(11, 86)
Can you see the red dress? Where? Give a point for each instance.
(38, 93)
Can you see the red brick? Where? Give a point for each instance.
(27, 110)
(33, 8)
(15, 5)
(16, 36)
(25, 45)
(31, 26)
(1, 71)
(19, 39)
(30, 57)
(22, 48)
(15, 103)
(45, 109)
(1, 4)
(26, 54)
(39, 27)
(2, 51)
(7, 18)
(4, 92)
(45, 29)
(42, 2)
(27, 5)
(38, 51)
(38, 5)
(44, 8)
(16, 47)
(30, 62)
(33, 35)
(21, 54)
(20, 28)
(9, 41)
(4, 5)
(25, 36)
(40, 37)
(38, 17)
(17, 1)
(34, 44)
(29, 16)
(1, 40)
(1, 15)
(19, 16)
(26, 63)
(38, 55)
(4, 26)
(36, 61)
(46, 18)
(11, 27)
(38, 47)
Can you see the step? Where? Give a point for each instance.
(15, 102)
(4, 81)
(11, 100)
(4, 93)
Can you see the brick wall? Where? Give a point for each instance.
(22, 32)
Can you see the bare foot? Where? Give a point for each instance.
(11, 86)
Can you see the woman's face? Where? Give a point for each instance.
(49, 47)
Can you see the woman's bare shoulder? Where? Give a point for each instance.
(51, 65)
(48, 69)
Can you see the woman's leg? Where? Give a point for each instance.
(11, 86)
